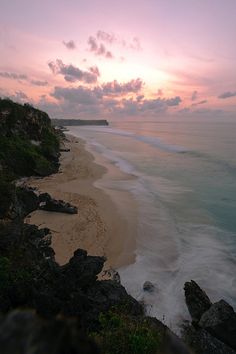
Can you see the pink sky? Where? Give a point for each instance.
(120, 59)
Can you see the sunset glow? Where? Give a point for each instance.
(183, 54)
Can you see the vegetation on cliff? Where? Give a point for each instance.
(29, 144)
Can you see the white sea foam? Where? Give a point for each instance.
(170, 251)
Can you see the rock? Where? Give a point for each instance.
(64, 150)
(22, 332)
(148, 286)
(220, 321)
(82, 270)
(26, 201)
(203, 342)
(111, 274)
(196, 299)
(47, 203)
(105, 294)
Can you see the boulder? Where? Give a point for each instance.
(220, 321)
(148, 286)
(82, 270)
(202, 342)
(47, 203)
(196, 299)
(22, 332)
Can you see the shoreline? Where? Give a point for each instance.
(101, 226)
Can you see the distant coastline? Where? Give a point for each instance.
(78, 122)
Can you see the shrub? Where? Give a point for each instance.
(6, 194)
(11, 275)
(124, 334)
(23, 158)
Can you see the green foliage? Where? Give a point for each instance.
(19, 125)
(124, 334)
(49, 144)
(11, 275)
(22, 157)
(6, 194)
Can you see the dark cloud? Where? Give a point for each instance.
(116, 88)
(99, 49)
(108, 100)
(194, 96)
(71, 73)
(70, 44)
(111, 38)
(94, 70)
(227, 94)
(199, 103)
(13, 76)
(39, 83)
(79, 95)
(106, 37)
(19, 77)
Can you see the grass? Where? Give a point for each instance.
(124, 334)
(23, 158)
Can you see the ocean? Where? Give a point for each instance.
(185, 188)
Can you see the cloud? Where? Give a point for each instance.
(115, 88)
(199, 103)
(19, 77)
(111, 38)
(13, 76)
(108, 100)
(159, 92)
(194, 95)
(18, 96)
(39, 83)
(72, 74)
(99, 49)
(95, 70)
(69, 45)
(227, 94)
(79, 95)
(135, 44)
(106, 37)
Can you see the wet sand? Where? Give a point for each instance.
(102, 225)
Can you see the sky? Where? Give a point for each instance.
(120, 59)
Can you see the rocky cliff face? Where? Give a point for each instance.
(29, 145)
(22, 120)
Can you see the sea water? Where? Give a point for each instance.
(185, 188)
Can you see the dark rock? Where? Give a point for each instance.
(22, 332)
(47, 203)
(26, 201)
(82, 270)
(196, 299)
(65, 150)
(220, 321)
(202, 342)
(148, 286)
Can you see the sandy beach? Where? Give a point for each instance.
(101, 225)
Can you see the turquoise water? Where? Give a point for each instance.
(185, 187)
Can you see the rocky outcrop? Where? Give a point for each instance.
(220, 321)
(196, 299)
(148, 286)
(213, 327)
(202, 342)
(47, 203)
